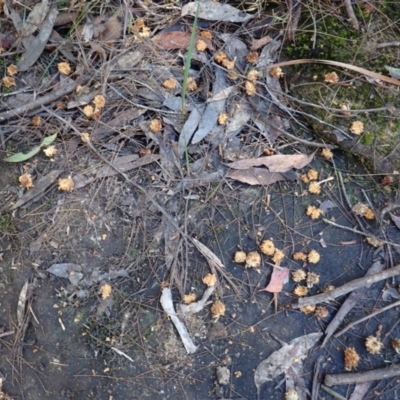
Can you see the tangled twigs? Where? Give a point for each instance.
(41, 101)
(381, 310)
(286, 134)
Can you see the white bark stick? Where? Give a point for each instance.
(168, 307)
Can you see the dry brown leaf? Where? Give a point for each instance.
(260, 43)
(106, 291)
(256, 176)
(112, 28)
(278, 278)
(277, 163)
(178, 40)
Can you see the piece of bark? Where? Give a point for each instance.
(360, 377)
(349, 303)
(347, 288)
(168, 307)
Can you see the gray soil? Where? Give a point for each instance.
(65, 348)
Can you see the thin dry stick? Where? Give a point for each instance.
(348, 287)
(360, 377)
(388, 44)
(349, 202)
(359, 232)
(381, 310)
(351, 15)
(351, 67)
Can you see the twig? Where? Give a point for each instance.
(316, 379)
(121, 353)
(359, 377)
(359, 232)
(349, 202)
(381, 310)
(348, 287)
(4, 334)
(388, 44)
(351, 15)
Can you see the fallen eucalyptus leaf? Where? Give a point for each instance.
(213, 11)
(281, 360)
(19, 157)
(277, 163)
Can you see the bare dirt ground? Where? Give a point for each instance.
(128, 182)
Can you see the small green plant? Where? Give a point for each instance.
(186, 76)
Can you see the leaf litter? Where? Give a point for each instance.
(195, 132)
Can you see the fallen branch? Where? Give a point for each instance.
(360, 377)
(381, 310)
(348, 287)
(351, 14)
(168, 307)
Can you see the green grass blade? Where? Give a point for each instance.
(186, 76)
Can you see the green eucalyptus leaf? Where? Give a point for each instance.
(49, 140)
(23, 156)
